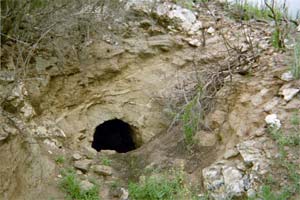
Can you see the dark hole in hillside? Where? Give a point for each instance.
(115, 135)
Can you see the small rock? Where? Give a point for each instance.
(82, 165)
(103, 170)
(211, 30)
(78, 172)
(231, 153)
(76, 156)
(89, 152)
(287, 76)
(233, 181)
(194, 42)
(298, 28)
(289, 93)
(124, 194)
(206, 139)
(3, 135)
(251, 193)
(108, 152)
(196, 26)
(273, 121)
(86, 185)
(271, 104)
(241, 166)
(51, 143)
(28, 111)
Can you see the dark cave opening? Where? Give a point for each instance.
(115, 135)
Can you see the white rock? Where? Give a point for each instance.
(50, 143)
(124, 195)
(233, 181)
(194, 42)
(298, 28)
(184, 15)
(289, 93)
(196, 26)
(27, 111)
(273, 121)
(210, 30)
(287, 76)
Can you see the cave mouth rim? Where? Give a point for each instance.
(124, 133)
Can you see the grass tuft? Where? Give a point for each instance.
(71, 186)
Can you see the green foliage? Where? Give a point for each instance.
(284, 140)
(60, 160)
(71, 186)
(154, 188)
(106, 161)
(161, 187)
(191, 117)
(295, 68)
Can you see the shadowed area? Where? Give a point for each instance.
(113, 134)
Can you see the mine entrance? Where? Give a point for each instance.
(115, 135)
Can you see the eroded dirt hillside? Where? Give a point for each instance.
(143, 70)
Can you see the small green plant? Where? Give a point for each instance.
(191, 117)
(167, 186)
(71, 186)
(60, 160)
(295, 68)
(106, 161)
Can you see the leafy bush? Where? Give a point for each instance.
(71, 186)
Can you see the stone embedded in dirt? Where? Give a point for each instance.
(230, 153)
(271, 104)
(28, 111)
(86, 185)
(124, 194)
(287, 76)
(89, 152)
(210, 30)
(3, 135)
(289, 93)
(298, 28)
(225, 181)
(107, 152)
(194, 42)
(76, 156)
(83, 165)
(253, 155)
(182, 17)
(273, 120)
(103, 170)
(206, 139)
(234, 182)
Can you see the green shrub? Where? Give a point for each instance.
(295, 68)
(71, 186)
(60, 160)
(161, 187)
(106, 161)
(191, 117)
